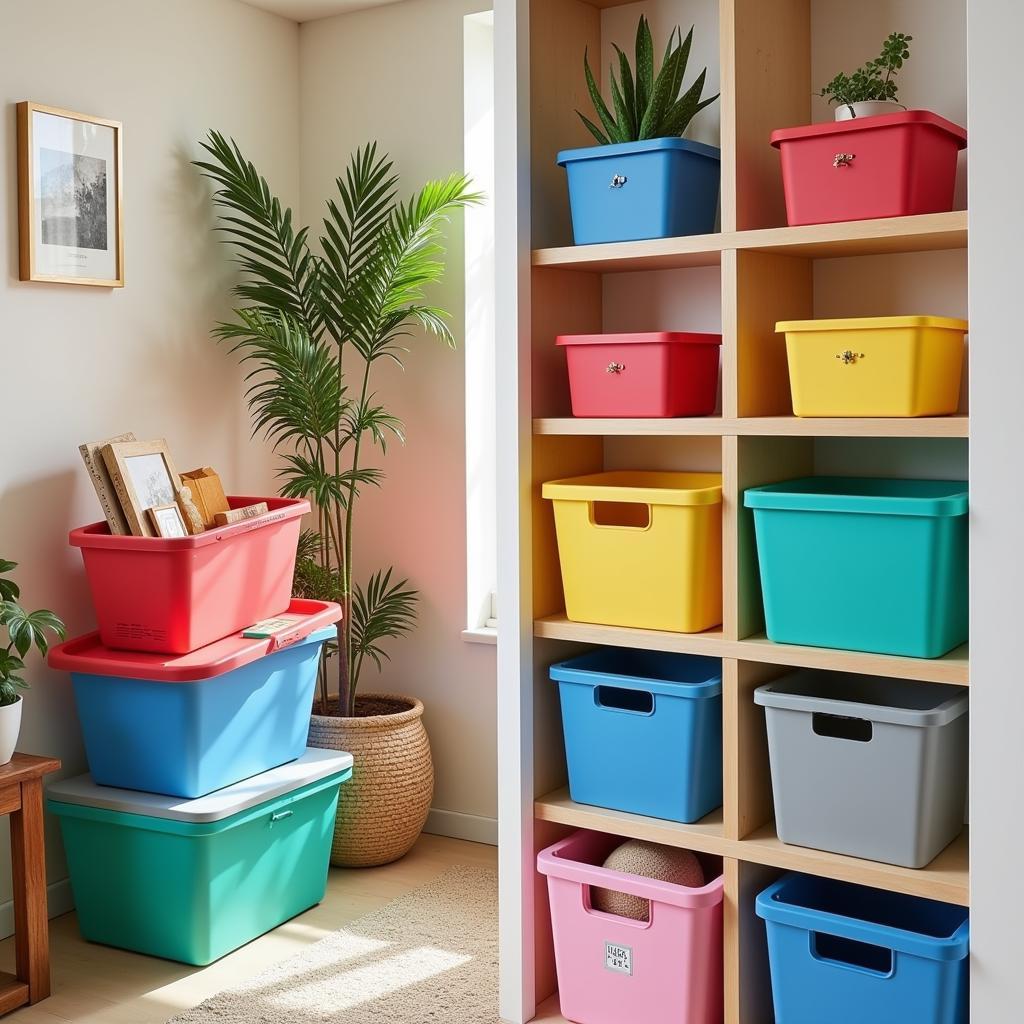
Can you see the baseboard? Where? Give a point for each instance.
(455, 825)
(58, 901)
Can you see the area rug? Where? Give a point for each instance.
(429, 956)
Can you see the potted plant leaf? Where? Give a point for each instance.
(643, 180)
(25, 631)
(313, 331)
(872, 88)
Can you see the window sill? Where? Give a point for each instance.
(480, 635)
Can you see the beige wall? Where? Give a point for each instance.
(395, 74)
(81, 363)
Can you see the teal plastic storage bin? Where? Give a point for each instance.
(864, 564)
(191, 880)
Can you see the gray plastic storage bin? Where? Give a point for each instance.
(870, 767)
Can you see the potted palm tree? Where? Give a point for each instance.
(314, 327)
(25, 631)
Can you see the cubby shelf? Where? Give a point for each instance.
(756, 426)
(929, 232)
(946, 878)
(953, 668)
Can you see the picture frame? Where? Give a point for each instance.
(70, 228)
(144, 477)
(166, 521)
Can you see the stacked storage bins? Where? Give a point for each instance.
(200, 775)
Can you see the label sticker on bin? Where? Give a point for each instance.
(618, 958)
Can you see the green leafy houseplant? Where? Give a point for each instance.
(314, 328)
(645, 106)
(25, 630)
(876, 80)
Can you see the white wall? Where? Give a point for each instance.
(82, 363)
(394, 74)
(997, 495)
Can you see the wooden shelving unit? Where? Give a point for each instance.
(758, 272)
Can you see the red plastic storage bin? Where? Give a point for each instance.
(893, 165)
(175, 595)
(659, 374)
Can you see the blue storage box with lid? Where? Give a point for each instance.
(643, 731)
(191, 880)
(864, 564)
(847, 954)
(655, 188)
(186, 725)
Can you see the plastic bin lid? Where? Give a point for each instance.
(691, 676)
(871, 495)
(642, 146)
(98, 535)
(860, 124)
(647, 338)
(872, 323)
(873, 698)
(640, 488)
(308, 622)
(312, 766)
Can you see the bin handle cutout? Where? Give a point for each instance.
(643, 923)
(623, 515)
(852, 955)
(616, 698)
(839, 727)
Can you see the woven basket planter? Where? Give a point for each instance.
(384, 807)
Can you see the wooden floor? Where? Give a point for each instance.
(99, 985)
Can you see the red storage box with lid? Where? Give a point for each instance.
(175, 595)
(659, 374)
(892, 165)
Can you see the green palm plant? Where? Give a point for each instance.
(645, 106)
(313, 328)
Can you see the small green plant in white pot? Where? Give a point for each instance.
(24, 631)
(872, 88)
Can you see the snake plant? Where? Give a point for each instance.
(645, 106)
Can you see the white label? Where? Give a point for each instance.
(618, 958)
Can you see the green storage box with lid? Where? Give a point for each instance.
(191, 880)
(864, 564)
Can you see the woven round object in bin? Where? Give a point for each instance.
(648, 860)
(383, 808)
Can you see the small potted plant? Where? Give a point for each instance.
(25, 630)
(643, 180)
(872, 88)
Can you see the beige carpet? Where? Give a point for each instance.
(430, 956)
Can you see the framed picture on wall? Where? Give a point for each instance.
(69, 197)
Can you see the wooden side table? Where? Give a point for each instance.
(21, 796)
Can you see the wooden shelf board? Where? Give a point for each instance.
(13, 993)
(549, 1012)
(704, 836)
(756, 426)
(953, 668)
(945, 879)
(650, 254)
(928, 232)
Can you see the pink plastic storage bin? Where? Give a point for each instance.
(173, 596)
(611, 970)
(892, 165)
(659, 374)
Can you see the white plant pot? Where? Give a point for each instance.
(868, 108)
(10, 727)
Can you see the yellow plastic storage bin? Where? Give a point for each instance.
(641, 549)
(875, 366)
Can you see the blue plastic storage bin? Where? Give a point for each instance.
(846, 954)
(643, 731)
(864, 564)
(186, 725)
(191, 880)
(656, 188)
